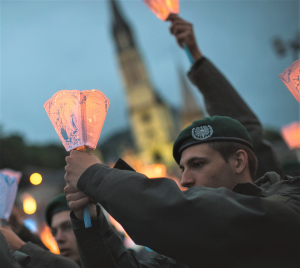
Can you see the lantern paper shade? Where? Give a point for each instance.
(291, 135)
(12, 173)
(163, 8)
(78, 117)
(8, 190)
(291, 78)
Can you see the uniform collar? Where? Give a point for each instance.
(247, 188)
(259, 186)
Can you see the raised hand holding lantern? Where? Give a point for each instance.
(162, 9)
(78, 118)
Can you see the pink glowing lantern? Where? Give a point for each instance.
(291, 78)
(163, 8)
(291, 135)
(78, 117)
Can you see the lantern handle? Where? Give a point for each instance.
(188, 53)
(87, 217)
(86, 210)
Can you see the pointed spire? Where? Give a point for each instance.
(116, 12)
(120, 28)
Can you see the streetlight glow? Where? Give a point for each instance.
(29, 205)
(36, 178)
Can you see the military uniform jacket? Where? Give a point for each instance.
(254, 225)
(245, 227)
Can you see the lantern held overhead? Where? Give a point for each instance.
(163, 8)
(291, 78)
(78, 117)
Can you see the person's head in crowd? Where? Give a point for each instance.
(58, 218)
(215, 152)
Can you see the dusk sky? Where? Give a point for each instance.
(47, 46)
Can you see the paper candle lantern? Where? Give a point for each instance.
(291, 135)
(8, 190)
(12, 173)
(291, 78)
(78, 117)
(163, 8)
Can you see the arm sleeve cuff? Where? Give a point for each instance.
(87, 183)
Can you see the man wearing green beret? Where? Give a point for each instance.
(221, 98)
(222, 220)
(58, 218)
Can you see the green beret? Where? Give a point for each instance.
(57, 204)
(209, 129)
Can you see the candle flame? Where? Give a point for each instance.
(48, 240)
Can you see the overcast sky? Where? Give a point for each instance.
(47, 46)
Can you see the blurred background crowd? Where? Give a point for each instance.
(120, 48)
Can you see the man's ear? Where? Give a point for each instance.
(241, 161)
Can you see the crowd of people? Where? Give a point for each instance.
(240, 209)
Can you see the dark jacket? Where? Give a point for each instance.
(10, 259)
(222, 99)
(221, 228)
(42, 258)
(255, 225)
(31, 256)
(101, 247)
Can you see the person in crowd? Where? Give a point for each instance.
(15, 253)
(21, 230)
(224, 219)
(11, 259)
(58, 218)
(222, 99)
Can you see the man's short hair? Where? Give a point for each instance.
(228, 149)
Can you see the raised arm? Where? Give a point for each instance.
(40, 258)
(222, 99)
(189, 226)
(100, 244)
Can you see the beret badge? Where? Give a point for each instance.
(202, 133)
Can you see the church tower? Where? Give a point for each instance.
(190, 110)
(151, 119)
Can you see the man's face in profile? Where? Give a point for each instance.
(204, 166)
(63, 234)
